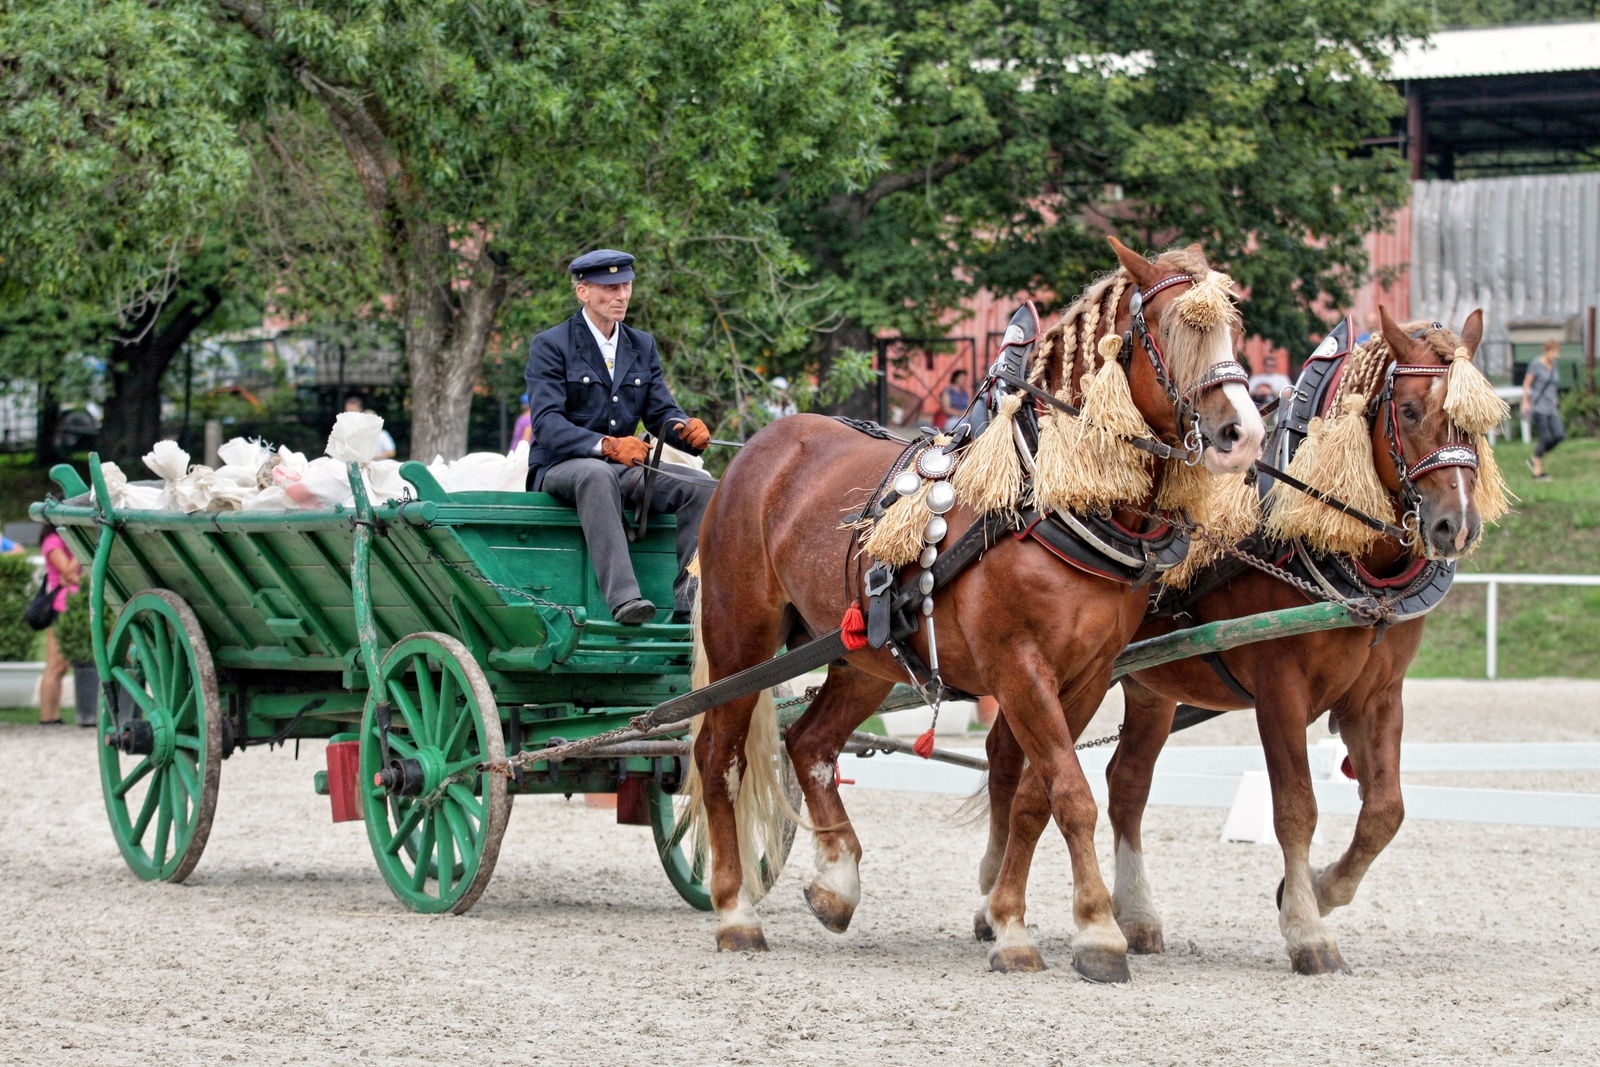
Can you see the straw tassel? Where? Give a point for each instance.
(1469, 399)
(1208, 301)
(1489, 493)
(896, 539)
(1337, 459)
(1086, 463)
(989, 477)
(1228, 506)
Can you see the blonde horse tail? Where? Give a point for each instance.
(761, 809)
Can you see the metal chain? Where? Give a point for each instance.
(1112, 739)
(569, 612)
(1375, 610)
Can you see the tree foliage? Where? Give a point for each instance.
(1023, 132)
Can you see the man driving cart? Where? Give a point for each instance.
(591, 381)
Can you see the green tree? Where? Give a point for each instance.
(1023, 132)
(494, 140)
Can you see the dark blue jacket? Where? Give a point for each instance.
(574, 404)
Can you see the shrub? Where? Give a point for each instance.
(18, 583)
(1580, 412)
(72, 629)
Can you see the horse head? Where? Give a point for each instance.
(1182, 373)
(1423, 456)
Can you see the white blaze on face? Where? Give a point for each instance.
(1252, 431)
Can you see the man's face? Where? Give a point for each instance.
(606, 303)
(352, 404)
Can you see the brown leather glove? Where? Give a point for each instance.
(628, 451)
(694, 433)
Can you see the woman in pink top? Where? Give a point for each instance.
(61, 571)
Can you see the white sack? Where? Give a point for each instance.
(479, 472)
(168, 461)
(355, 437)
(125, 496)
(327, 482)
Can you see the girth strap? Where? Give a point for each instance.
(1226, 677)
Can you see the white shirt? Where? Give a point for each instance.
(608, 345)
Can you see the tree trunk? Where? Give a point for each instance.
(446, 331)
(45, 452)
(133, 410)
(863, 403)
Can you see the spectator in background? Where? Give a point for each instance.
(1370, 327)
(9, 547)
(1263, 387)
(523, 429)
(61, 572)
(1541, 399)
(953, 399)
(385, 441)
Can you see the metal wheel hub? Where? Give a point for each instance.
(154, 735)
(413, 777)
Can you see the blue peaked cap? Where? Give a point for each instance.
(604, 266)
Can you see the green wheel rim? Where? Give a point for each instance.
(675, 845)
(437, 851)
(676, 848)
(160, 805)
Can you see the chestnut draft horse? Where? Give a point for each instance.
(1353, 673)
(776, 570)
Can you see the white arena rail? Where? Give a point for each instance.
(1492, 603)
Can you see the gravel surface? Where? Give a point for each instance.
(1470, 944)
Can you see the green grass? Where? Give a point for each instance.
(1546, 630)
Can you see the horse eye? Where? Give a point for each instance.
(1409, 411)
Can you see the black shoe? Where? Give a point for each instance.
(682, 617)
(635, 613)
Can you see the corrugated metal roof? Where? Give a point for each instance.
(1501, 50)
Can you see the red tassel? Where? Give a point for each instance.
(1345, 768)
(923, 746)
(854, 627)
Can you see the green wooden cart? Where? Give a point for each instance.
(421, 637)
(436, 632)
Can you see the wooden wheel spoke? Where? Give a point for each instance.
(402, 746)
(143, 768)
(458, 735)
(158, 851)
(183, 711)
(142, 652)
(429, 698)
(135, 690)
(464, 764)
(466, 840)
(189, 741)
(148, 809)
(172, 677)
(420, 873)
(403, 831)
(469, 803)
(187, 775)
(180, 810)
(408, 711)
(447, 854)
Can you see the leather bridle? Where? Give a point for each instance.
(1228, 370)
(1455, 454)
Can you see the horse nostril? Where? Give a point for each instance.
(1227, 436)
(1444, 531)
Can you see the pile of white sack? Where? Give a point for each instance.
(255, 478)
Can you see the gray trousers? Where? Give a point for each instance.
(599, 488)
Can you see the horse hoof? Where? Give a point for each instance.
(1318, 959)
(1018, 959)
(832, 912)
(1102, 965)
(982, 929)
(741, 939)
(1144, 940)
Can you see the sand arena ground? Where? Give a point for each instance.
(1470, 943)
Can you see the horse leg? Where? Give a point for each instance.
(1146, 723)
(846, 699)
(1281, 717)
(1006, 764)
(719, 755)
(1373, 737)
(1039, 721)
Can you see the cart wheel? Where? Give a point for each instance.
(683, 867)
(162, 762)
(433, 819)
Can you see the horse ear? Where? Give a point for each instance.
(1472, 332)
(1198, 255)
(1143, 271)
(1400, 345)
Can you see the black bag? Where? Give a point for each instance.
(41, 610)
